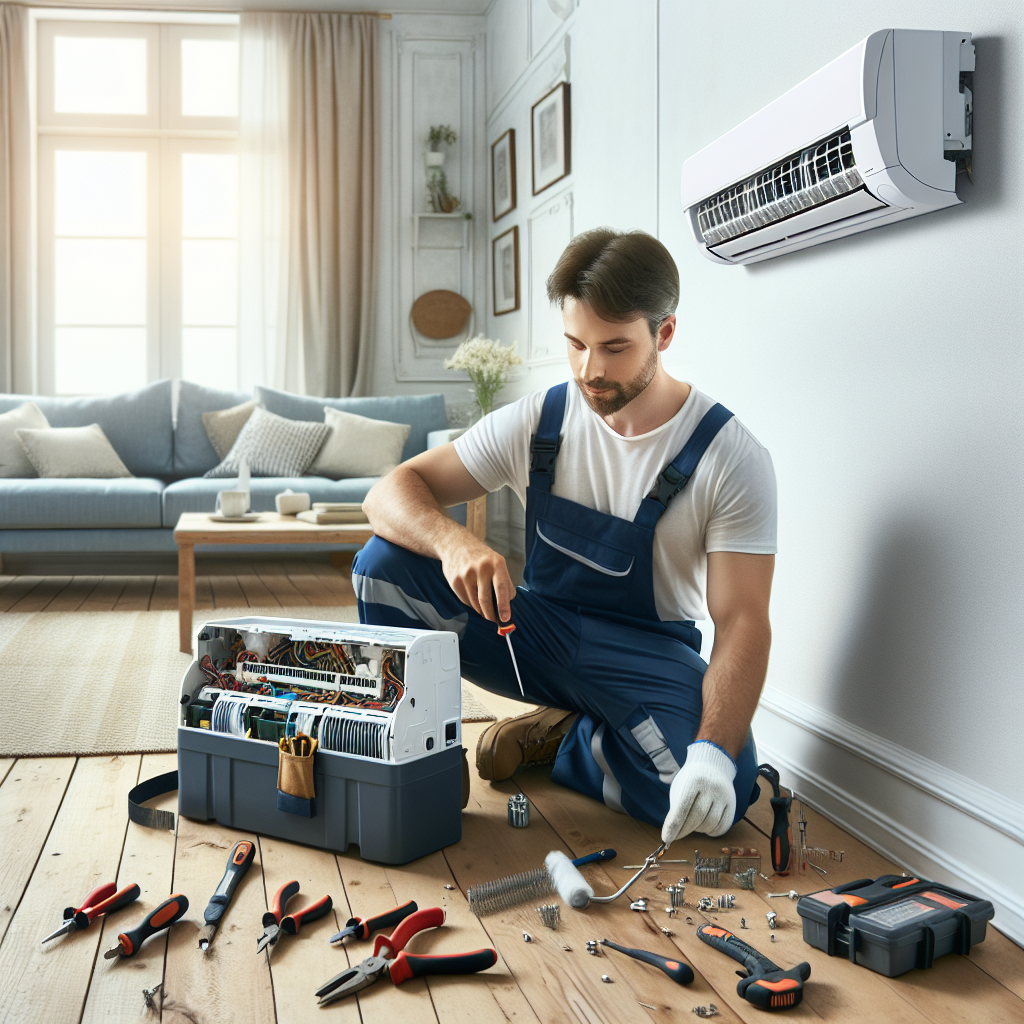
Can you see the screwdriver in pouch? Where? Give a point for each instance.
(239, 860)
(128, 943)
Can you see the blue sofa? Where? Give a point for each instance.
(168, 452)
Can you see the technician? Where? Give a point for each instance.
(648, 506)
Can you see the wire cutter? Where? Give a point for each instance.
(101, 900)
(390, 958)
(274, 923)
(364, 927)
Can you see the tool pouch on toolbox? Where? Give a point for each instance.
(295, 783)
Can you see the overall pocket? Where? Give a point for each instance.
(602, 558)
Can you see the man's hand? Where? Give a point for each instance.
(701, 798)
(476, 573)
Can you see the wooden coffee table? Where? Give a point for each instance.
(198, 528)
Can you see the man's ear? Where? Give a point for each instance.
(666, 332)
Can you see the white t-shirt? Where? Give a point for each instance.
(729, 504)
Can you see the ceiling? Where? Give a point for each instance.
(386, 6)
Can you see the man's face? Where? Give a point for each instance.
(612, 362)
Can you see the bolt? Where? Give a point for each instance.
(743, 922)
(771, 916)
(605, 978)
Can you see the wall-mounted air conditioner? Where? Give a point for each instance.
(874, 137)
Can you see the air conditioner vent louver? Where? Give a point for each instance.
(809, 178)
(345, 734)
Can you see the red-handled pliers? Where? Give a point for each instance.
(274, 923)
(389, 958)
(101, 900)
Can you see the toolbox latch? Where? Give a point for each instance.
(926, 949)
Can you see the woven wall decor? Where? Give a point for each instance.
(440, 314)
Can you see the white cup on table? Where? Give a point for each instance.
(232, 504)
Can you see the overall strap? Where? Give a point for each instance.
(545, 443)
(674, 476)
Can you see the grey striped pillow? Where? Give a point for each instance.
(273, 446)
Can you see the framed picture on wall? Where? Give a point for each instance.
(505, 262)
(503, 175)
(549, 137)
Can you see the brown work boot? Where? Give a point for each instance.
(532, 738)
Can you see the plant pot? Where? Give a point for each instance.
(434, 159)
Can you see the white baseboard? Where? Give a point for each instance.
(930, 820)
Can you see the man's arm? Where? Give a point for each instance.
(739, 588)
(407, 507)
(702, 797)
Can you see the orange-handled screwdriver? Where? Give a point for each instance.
(128, 943)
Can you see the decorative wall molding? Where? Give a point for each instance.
(549, 229)
(959, 791)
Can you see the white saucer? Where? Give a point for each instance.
(249, 517)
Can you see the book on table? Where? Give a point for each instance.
(325, 513)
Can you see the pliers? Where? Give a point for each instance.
(389, 958)
(364, 927)
(101, 900)
(274, 923)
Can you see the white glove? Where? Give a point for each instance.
(701, 798)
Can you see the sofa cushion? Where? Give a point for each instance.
(80, 503)
(423, 413)
(72, 453)
(137, 423)
(13, 460)
(193, 453)
(198, 494)
(359, 446)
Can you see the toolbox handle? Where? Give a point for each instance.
(926, 951)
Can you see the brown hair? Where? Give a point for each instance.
(621, 275)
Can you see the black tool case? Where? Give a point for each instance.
(893, 924)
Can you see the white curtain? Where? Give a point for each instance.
(309, 180)
(15, 204)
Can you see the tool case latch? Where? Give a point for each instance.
(543, 452)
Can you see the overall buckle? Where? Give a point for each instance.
(543, 452)
(670, 483)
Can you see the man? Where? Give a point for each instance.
(642, 495)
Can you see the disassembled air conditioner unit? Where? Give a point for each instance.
(874, 137)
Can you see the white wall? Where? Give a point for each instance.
(432, 72)
(884, 372)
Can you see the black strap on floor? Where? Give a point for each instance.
(149, 816)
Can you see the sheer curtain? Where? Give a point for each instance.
(309, 195)
(15, 204)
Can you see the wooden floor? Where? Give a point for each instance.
(221, 582)
(63, 830)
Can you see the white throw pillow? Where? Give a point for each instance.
(13, 460)
(359, 446)
(273, 446)
(72, 452)
(224, 425)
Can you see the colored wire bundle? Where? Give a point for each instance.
(310, 654)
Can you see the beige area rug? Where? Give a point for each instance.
(108, 682)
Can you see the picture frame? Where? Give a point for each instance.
(550, 137)
(503, 175)
(505, 268)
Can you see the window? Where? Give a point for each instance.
(137, 204)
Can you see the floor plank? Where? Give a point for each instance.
(17, 589)
(29, 799)
(204, 593)
(276, 580)
(105, 595)
(136, 593)
(6, 764)
(115, 989)
(41, 595)
(228, 984)
(74, 594)
(47, 984)
(165, 594)
(299, 963)
(257, 594)
(226, 592)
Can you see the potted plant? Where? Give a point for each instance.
(438, 136)
(487, 362)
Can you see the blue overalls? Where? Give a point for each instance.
(588, 636)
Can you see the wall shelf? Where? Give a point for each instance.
(466, 234)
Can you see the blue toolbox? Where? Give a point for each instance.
(378, 713)
(893, 924)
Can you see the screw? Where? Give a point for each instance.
(449, 887)
(605, 978)
(773, 936)
(792, 894)
(743, 922)
(527, 937)
(771, 916)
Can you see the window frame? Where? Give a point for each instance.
(163, 133)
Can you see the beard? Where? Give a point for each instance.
(619, 395)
